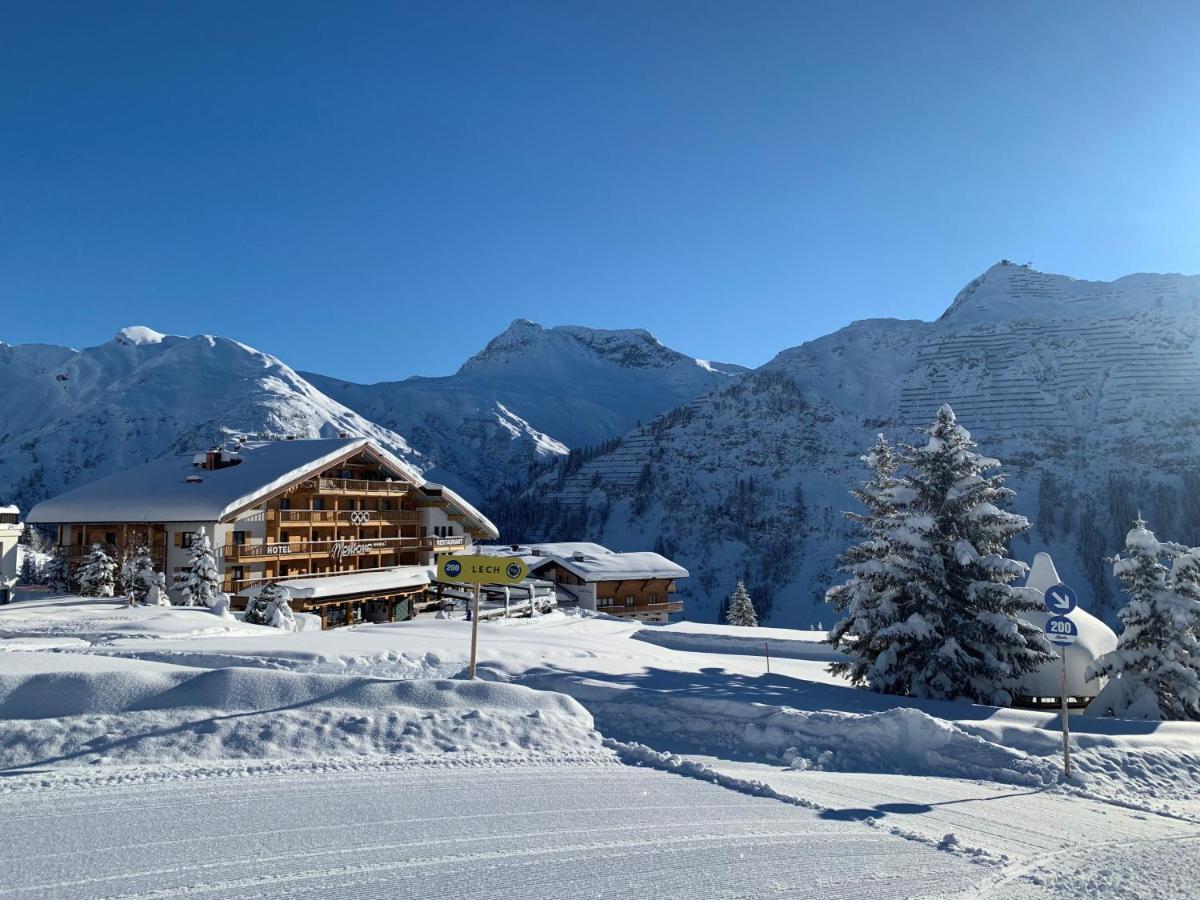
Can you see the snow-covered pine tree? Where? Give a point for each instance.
(55, 574)
(271, 607)
(1154, 672)
(30, 572)
(138, 575)
(879, 591)
(97, 575)
(201, 582)
(969, 639)
(741, 608)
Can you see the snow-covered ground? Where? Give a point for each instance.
(599, 757)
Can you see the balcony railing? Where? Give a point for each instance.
(340, 549)
(352, 486)
(615, 608)
(342, 516)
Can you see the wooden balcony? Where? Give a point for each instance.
(342, 516)
(352, 486)
(347, 548)
(618, 609)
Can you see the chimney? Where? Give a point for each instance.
(212, 459)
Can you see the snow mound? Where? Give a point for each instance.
(110, 710)
(902, 741)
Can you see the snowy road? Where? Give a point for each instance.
(602, 830)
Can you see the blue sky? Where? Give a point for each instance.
(374, 190)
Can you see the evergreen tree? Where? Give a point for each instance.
(54, 574)
(1154, 671)
(879, 592)
(97, 574)
(138, 576)
(30, 571)
(971, 642)
(201, 583)
(934, 613)
(271, 607)
(741, 608)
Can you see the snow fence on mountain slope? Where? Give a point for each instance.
(65, 709)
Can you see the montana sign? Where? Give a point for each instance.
(482, 569)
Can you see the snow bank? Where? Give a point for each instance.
(699, 637)
(70, 710)
(903, 741)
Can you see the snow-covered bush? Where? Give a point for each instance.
(97, 574)
(156, 594)
(272, 607)
(220, 606)
(931, 606)
(1154, 672)
(741, 608)
(201, 582)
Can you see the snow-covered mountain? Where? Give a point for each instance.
(531, 395)
(1088, 391)
(69, 416)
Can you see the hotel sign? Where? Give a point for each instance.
(341, 549)
(482, 569)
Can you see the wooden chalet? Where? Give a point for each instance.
(303, 513)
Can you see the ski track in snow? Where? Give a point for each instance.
(545, 831)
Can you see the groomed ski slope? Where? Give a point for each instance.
(152, 752)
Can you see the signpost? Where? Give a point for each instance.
(1061, 600)
(477, 570)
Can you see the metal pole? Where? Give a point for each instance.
(767, 651)
(1066, 728)
(475, 628)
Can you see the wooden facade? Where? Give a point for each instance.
(354, 515)
(633, 598)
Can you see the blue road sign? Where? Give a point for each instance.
(1061, 630)
(1060, 600)
(453, 568)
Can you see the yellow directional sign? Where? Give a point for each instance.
(482, 569)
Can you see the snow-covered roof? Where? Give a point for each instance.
(621, 566)
(367, 582)
(1095, 639)
(9, 510)
(160, 491)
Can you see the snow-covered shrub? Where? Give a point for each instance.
(97, 574)
(930, 604)
(741, 608)
(201, 582)
(1154, 672)
(220, 606)
(271, 607)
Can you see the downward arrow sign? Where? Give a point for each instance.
(1060, 601)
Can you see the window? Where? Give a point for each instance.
(239, 538)
(184, 538)
(654, 598)
(110, 537)
(284, 537)
(424, 532)
(387, 505)
(318, 502)
(285, 503)
(239, 573)
(629, 600)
